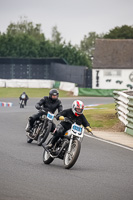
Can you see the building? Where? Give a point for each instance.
(113, 64)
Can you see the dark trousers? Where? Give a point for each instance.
(25, 102)
(60, 132)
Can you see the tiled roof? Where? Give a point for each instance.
(113, 54)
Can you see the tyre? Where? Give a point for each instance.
(47, 159)
(70, 159)
(43, 136)
(21, 104)
(29, 140)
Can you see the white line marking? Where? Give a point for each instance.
(113, 143)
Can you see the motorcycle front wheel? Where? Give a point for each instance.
(47, 159)
(71, 158)
(43, 136)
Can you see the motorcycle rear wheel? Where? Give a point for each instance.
(71, 158)
(47, 159)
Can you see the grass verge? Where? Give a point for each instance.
(104, 117)
(31, 92)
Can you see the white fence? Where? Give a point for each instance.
(124, 107)
(34, 83)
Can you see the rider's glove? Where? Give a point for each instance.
(61, 118)
(88, 129)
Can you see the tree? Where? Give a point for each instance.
(25, 27)
(88, 43)
(45, 49)
(74, 56)
(56, 36)
(25, 40)
(20, 46)
(123, 32)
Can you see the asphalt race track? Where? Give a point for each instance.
(102, 172)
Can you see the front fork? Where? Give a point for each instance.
(43, 126)
(70, 144)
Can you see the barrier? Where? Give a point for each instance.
(40, 83)
(5, 104)
(34, 83)
(26, 83)
(2, 83)
(66, 86)
(124, 108)
(17, 83)
(95, 92)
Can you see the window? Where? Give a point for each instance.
(112, 72)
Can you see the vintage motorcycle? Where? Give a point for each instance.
(41, 129)
(66, 148)
(22, 103)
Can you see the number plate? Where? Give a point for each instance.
(77, 130)
(50, 116)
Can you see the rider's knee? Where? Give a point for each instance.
(60, 130)
(31, 119)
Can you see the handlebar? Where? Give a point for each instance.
(68, 120)
(89, 132)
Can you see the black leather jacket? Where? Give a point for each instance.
(49, 105)
(69, 114)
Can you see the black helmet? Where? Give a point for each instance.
(53, 92)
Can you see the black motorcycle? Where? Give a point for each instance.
(41, 129)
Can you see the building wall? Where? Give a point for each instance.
(112, 78)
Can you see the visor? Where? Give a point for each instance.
(78, 110)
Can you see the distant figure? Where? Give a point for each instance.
(24, 97)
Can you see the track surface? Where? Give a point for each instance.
(102, 172)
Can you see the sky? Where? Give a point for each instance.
(74, 18)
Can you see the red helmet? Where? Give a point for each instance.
(78, 107)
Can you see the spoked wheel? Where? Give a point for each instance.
(71, 158)
(43, 136)
(47, 159)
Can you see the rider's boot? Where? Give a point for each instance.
(52, 143)
(49, 146)
(29, 125)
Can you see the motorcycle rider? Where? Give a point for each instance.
(49, 103)
(74, 114)
(24, 97)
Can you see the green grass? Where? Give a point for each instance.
(104, 117)
(31, 92)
